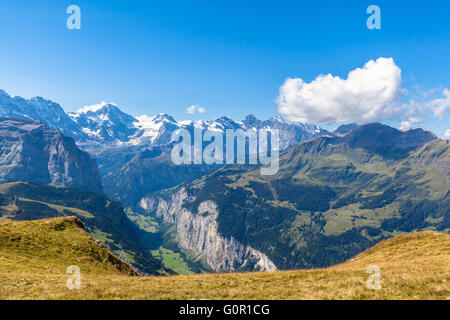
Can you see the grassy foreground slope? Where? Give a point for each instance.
(104, 219)
(34, 257)
(49, 246)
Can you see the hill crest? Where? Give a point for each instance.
(52, 245)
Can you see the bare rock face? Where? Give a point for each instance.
(199, 234)
(31, 151)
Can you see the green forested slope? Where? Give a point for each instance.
(334, 197)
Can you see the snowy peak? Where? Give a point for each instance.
(163, 117)
(278, 119)
(227, 123)
(154, 130)
(105, 122)
(291, 133)
(251, 121)
(41, 109)
(4, 93)
(103, 112)
(105, 106)
(219, 124)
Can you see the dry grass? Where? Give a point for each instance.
(412, 267)
(49, 246)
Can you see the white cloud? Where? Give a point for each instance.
(195, 108)
(425, 105)
(406, 125)
(447, 133)
(440, 105)
(415, 120)
(368, 94)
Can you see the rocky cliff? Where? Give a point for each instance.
(199, 234)
(31, 151)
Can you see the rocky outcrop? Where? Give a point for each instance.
(31, 151)
(199, 234)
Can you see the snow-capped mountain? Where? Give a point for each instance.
(107, 126)
(290, 133)
(105, 122)
(38, 108)
(155, 130)
(103, 126)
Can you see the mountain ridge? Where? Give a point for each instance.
(33, 243)
(105, 126)
(33, 152)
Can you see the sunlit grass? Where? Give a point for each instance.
(415, 266)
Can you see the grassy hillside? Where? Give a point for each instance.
(414, 266)
(49, 246)
(104, 219)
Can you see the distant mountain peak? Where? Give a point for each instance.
(251, 116)
(380, 134)
(39, 108)
(34, 152)
(252, 121)
(381, 139)
(163, 117)
(279, 119)
(345, 128)
(224, 118)
(40, 99)
(97, 107)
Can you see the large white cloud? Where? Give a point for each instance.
(368, 94)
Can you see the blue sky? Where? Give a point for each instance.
(229, 57)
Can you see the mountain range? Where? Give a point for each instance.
(336, 193)
(133, 153)
(104, 126)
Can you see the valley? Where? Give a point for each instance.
(330, 200)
